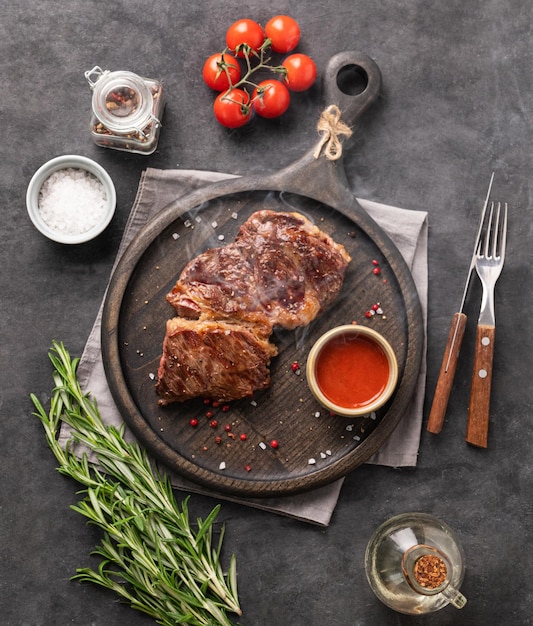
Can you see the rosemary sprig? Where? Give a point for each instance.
(150, 554)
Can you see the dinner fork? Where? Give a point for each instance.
(489, 262)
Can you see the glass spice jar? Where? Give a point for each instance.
(126, 110)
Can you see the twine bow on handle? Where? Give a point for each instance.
(331, 127)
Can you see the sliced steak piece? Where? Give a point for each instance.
(212, 359)
(280, 268)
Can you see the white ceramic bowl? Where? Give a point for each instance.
(361, 369)
(62, 163)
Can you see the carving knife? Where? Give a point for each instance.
(453, 344)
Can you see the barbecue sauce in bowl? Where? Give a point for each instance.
(352, 370)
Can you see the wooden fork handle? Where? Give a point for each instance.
(446, 374)
(478, 413)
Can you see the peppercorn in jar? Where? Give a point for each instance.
(126, 110)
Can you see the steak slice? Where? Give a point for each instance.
(218, 360)
(281, 269)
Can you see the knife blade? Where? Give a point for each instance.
(454, 342)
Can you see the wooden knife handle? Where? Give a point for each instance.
(478, 413)
(447, 373)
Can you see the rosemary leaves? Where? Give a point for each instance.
(151, 554)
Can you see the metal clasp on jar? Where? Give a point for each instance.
(148, 127)
(96, 71)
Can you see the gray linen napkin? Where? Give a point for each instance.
(408, 230)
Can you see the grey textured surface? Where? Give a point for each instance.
(456, 105)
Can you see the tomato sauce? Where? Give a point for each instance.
(351, 370)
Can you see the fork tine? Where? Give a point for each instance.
(496, 233)
(486, 242)
(503, 233)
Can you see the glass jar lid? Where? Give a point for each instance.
(122, 101)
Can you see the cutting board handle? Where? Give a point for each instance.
(352, 81)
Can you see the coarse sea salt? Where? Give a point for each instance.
(72, 201)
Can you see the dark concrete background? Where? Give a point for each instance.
(456, 105)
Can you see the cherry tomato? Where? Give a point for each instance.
(283, 32)
(244, 33)
(220, 71)
(301, 72)
(271, 98)
(232, 108)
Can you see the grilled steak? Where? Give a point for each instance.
(281, 270)
(213, 359)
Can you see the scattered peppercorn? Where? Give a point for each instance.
(274, 444)
(193, 422)
(213, 423)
